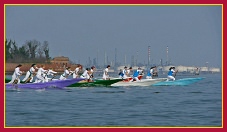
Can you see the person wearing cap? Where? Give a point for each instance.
(105, 73)
(30, 74)
(76, 71)
(16, 75)
(170, 74)
(66, 73)
(49, 72)
(40, 74)
(86, 74)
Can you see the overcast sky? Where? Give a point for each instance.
(193, 34)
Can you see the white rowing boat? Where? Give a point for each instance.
(142, 82)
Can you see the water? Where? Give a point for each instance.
(195, 105)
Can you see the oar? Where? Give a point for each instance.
(175, 74)
(30, 77)
(53, 77)
(16, 80)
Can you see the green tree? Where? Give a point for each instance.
(8, 54)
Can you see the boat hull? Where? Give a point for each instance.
(51, 84)
(142, 82)
(180, 82)
(95, 83)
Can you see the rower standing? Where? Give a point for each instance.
(41, 74)
(125, 72)
(86, 74)
(16, 75)
(92, 72)
(66, 73)
(105, 73)
(76, 71)
(49, 72)
(30, 74)
(128, 71)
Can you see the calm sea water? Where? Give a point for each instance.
(198, 104)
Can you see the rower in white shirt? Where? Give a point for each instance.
(125, 72)
(40, 74)
(105, 73)
(30, 74)
(66, 73)
(128, 71)
(49, 73)
(16, 75)
(86, 74)
(92, 72)
(76, 71)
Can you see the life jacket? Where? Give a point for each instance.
(121, 74)
(170, 73)
(136, 73)
(148, 73)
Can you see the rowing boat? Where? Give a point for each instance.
(95, 83)
(142, 82)
(51, 84)
(179, 82)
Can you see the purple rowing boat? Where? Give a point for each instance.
(51, 84)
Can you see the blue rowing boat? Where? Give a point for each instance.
(179, 82)
(51, 84)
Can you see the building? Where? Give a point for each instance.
(60, 60)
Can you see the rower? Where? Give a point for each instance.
(105, 73)
(76, 71)
(16, 75)
(128, 71)
(136, 74)
(170, 74)
(30, 74)
(151, 73)
(92, 72)
(41, 74)
(86, 74)
(50, 72)
(121, 74)
(66, 73)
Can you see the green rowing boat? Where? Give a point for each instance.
(9, 79)
(95, 83)
(86, 84)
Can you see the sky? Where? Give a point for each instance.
(193, 34)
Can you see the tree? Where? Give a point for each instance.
(46, 49)
(32, 47)
(8, 54)
(31, 51)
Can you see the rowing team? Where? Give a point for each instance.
(42, 75)
(125, 73)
